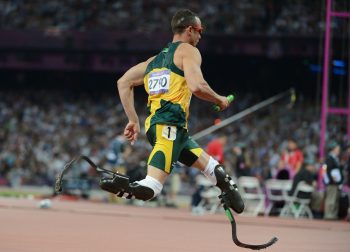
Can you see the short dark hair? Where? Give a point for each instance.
(182, 19)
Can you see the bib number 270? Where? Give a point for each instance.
(158, 82)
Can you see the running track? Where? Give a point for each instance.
(88, 226)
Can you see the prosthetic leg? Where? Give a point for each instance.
(230, 198)
(230, 195)
(145, 189)
(120, 186)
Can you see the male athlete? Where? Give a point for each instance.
(170, 78)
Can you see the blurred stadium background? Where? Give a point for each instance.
(59, 62)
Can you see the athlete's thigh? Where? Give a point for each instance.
(167, 142)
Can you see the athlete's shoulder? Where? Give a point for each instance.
(188, 48)
(190, 52)
(149, 60)
(147, 64)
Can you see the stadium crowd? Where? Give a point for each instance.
(43, 130)
(224, 17)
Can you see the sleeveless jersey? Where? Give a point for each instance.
(168, 94)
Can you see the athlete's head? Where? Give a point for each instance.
(188, 25)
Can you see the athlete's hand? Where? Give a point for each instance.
(131, 131)
(224, 103)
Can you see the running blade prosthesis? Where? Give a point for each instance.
(68, 166)
(234, 231)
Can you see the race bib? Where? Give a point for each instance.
(159, 82)
(169, 132)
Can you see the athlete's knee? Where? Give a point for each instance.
(209, 169)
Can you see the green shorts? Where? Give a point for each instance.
(171, 144)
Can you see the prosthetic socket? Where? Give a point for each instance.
(120, 186)
(230, 195)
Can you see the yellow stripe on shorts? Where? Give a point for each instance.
(164, 146)
(197, 151)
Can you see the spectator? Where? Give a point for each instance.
(306, 174)
(47, 129)
(215, 148)
(333, 180)
(292, 158)
(242, 164)
(347, 177)
(254, 17)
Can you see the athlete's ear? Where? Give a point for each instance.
(189, 34)
(189, 30)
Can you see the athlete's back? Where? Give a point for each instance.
(168, 94)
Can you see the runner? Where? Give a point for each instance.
(170, 78)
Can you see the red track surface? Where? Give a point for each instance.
(86, 226)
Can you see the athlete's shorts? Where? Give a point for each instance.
(171, 144)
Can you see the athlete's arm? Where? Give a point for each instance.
(191, 61)
(132, 78)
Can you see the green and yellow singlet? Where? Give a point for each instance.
(168, 94)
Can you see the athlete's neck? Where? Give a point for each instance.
(179, 37)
